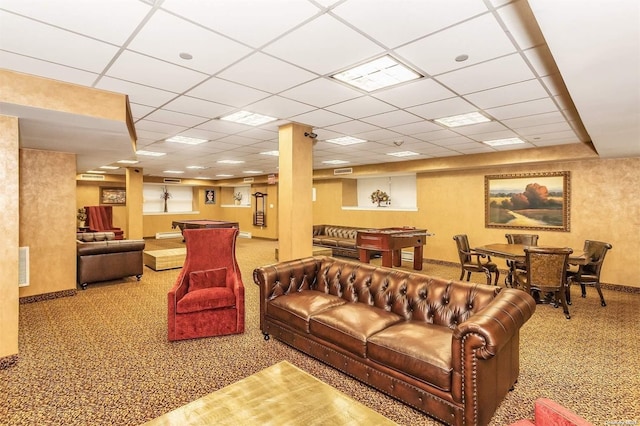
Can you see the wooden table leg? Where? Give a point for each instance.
(417, 258)
(387, 258)
(397, 257)
(364, 255)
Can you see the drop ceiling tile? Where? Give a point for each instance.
(392, 118)
(137, 93)
(534, 120)
(320, 118)
(474, 129)
(498, 72)
(510, 94)
(278, 107)
(152, 72)
(254, 22)
(203, 134)
(522, 109)
(542, 129)
(30, 38)
(329, 46)
(261, 134)
(177, 118)
(27, 65)
(263, 72)
(200, 107)
(164, 129)
(521, 24)
(321, 92)
(445, 108)
(222, 126)
(414, 93)
(227, 93)
(417, 127)
(165, 36)
(481, 38)
(377, 135)
(513, 147)
(399, 21)
(93, 14)
(541, 60)
(361, 107)
(138, 111)
(489, 136)
(351, 128)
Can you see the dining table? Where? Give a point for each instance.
(515, 253)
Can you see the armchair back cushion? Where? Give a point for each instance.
(199, 280)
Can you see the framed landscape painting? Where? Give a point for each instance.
(113, 196)
(528, 201)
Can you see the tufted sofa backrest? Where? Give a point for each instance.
(340, 232)
(413, 296)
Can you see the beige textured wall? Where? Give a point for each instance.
(48, 219)
(9, 235)
(604, 207)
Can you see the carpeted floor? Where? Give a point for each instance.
(101, 357)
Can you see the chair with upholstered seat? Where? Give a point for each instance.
(100, 219)
(546, 275)
(471, 261)
(529, 240)
(207, 299)
(595, 251)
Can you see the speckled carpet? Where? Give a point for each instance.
(102, 357)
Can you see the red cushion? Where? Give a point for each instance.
(550, 413)
(199, 280)
(208, 298)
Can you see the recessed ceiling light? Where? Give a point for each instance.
(224, 175)
(151, 153)
(250, 118)
(110, 167)
(502, 142)
(128, 161)
(230, 161)
(186, 139)
(335, 162)
(274, 153)
(173, 171)
(346, 140)
(403, 153)
(252, 171)
(96, 171)
(196, 167)
(463, 119)
(382, 72)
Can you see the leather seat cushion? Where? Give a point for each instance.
(208, 298)
(346, 243)
(350, 325)
(327, 241)
(418, 349)
(295, 309)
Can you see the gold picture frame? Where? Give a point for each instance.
(113, 196)
(535, 201)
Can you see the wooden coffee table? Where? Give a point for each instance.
(279, 395)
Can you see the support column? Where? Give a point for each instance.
(134, 184)
(295, 180)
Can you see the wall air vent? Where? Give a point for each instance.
(23, 267)
(172, 180)
(86, 176)
(247, 180)
(343, 171)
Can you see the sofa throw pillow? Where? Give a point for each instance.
(199, 280)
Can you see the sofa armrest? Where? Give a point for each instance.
(110, 246)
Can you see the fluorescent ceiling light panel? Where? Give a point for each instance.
(173, 171)
(230, 161)
(196, 167)
(382, 72)
(96, 171)
(502, 142)
(128, 161)
(403, 153)
(253, 171)
(335, 162)
(346, 140)
(151, 153)
(186, 139)
(463, 119)
(224, 175)
(202, 177)
(110, 167)
(250, 118)
(274, 153)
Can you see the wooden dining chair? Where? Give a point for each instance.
(514, 265)
(589, 273)
(471, 261)
(546, 275)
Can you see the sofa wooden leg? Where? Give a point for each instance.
(83, 286)
(138, 277)
(266, 336)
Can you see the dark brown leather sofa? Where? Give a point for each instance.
(101, 257)
(447, 348)
(340, 239)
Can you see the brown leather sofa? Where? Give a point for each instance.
(101, 257)
(340, 239)
(447, 348)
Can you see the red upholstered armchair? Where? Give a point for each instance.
(550, 413)
(208, 296)
(100, 219)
